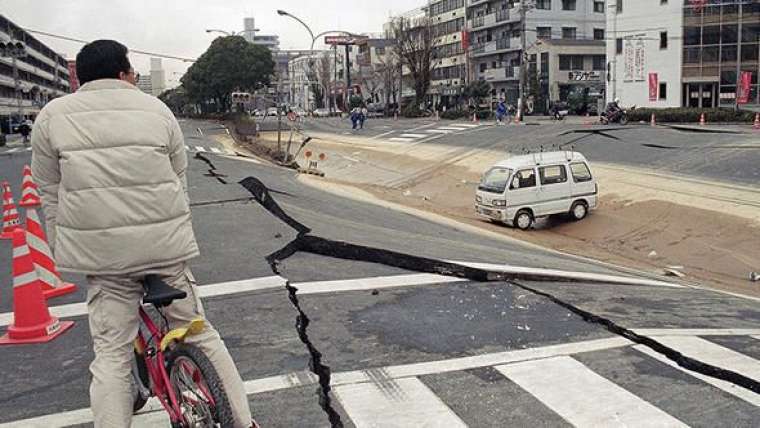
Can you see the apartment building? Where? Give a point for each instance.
(448, 19)
(42, 75)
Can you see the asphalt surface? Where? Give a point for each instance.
(728, 153)
(431, 350)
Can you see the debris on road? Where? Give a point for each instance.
(673, 271)
(652, 254)
(754, 276)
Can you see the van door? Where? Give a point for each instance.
(583, 183)
(554, 192)
(523, 190)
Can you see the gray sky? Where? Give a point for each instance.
(178, 27)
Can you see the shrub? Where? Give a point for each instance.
(412, 110)
(691, 115)
(454, 114)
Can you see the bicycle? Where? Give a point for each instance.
(178, 374)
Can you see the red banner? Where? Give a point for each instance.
(698, 5)
(653, 86)
(73, 79)
(742, 96)
(465, 40)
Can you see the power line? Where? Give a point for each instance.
(72, 39)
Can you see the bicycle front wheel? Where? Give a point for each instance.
(199, 390)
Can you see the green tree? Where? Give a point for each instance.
(176, 99)
(230, 64)
(477, 91)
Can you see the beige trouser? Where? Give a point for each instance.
(113, 302)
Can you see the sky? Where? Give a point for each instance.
(178, 27)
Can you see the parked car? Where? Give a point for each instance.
(518, 190)
(299, 112)
(272, 111)
(321, 112)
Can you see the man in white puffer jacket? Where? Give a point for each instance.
(110, 164)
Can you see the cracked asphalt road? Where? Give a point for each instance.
(365, 326)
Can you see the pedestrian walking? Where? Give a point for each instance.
(25, 129)
(363, 116)
(354, 117)
(501, 111)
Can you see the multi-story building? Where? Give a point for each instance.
(303, 73)
(374, 70)
(145, 83)
(249, 33)
(157, 77)
(42, 75)
(684, 53)
(447, 18)
(495, 42)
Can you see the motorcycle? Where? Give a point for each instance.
(559, 111)
(620, 117)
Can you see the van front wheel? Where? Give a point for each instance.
(579, 210)
(523, 220)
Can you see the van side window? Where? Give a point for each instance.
(553, 174)
(525, 178)
(580, 172)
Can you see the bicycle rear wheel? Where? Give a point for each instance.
(199, 390)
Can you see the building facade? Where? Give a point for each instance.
(685, 53)
(30, 81)
(495, 35)
(448, 19)
(157, 77)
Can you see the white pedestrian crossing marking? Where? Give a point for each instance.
(466, 125)
(413, 135)
(395, 403)
(583, 397)
(732, 389)
(215, 150)
(756, 337)
(401, 140)
(438, 131)
(451, 128)
(187, 147)
(13, 150)
(199, 149)
(29, 149)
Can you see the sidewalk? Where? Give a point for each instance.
(13, 140)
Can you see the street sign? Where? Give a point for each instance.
(583, 76)
(344, 40)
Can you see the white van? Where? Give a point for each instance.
(522, 188)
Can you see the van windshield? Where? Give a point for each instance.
(495, 180)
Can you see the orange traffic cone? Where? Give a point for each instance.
(757, 121)
(702, 119)
(50, 280)
(10, 215)
(32, 322)
(474, 117)
(30, 197)
(652, 121)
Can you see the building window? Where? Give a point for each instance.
(663, 91)
(618, 46)
(483, 66)
(570, 62)
(598, 34)
(544, 4)
(599, 62)
(599, 6)
(663, 1)
(544, 32)
(663, 39)
(568, 4)
(619, 6)
(569, 32)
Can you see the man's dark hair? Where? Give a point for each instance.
(102, 59)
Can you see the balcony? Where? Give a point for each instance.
(500, 74)
(496, 46)
(493, 19)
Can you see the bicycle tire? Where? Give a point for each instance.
(222, 411)
(138, 402)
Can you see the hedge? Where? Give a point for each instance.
(691, 115)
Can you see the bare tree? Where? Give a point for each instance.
(325, 77)
(413, 46)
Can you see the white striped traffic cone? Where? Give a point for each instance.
(50, 280)
(32, 322)
(10, 215)
(30, 197)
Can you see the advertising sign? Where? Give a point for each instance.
(742, 97)
(653, 86)
(73, 79)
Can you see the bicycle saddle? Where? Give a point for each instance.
(158, 293)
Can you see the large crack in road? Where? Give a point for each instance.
(305, 242)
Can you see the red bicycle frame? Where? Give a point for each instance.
(155, 363)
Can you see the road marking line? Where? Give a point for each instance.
(466, 125)
(29, 149)
(395, 403)
(697, 331)
(273, 282)
(187, 147)
(756, 337)
(569, 274)
(714, 354)
(438, 131)
(382, 135)
(413, 135)
(401, 140)
(215, 150)
(451, 128)
(730, 388)
(583, 397)
(199, 149)
(13, 150)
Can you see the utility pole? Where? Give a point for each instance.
(614, 53)
(348, 77)
(523, 62)
(738, 62)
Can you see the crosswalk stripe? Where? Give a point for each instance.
(451, 128)
(199, 149)
(732, 389)
(395, 403)
(401, 140)
(438, 131)
(413, 135)
(29, 149)
(13, 150)
(582, 397)
(756, 337)
(215, 150)
(466, 125)
(187, 147)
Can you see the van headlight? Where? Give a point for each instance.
(478, 199)
(499, 203)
